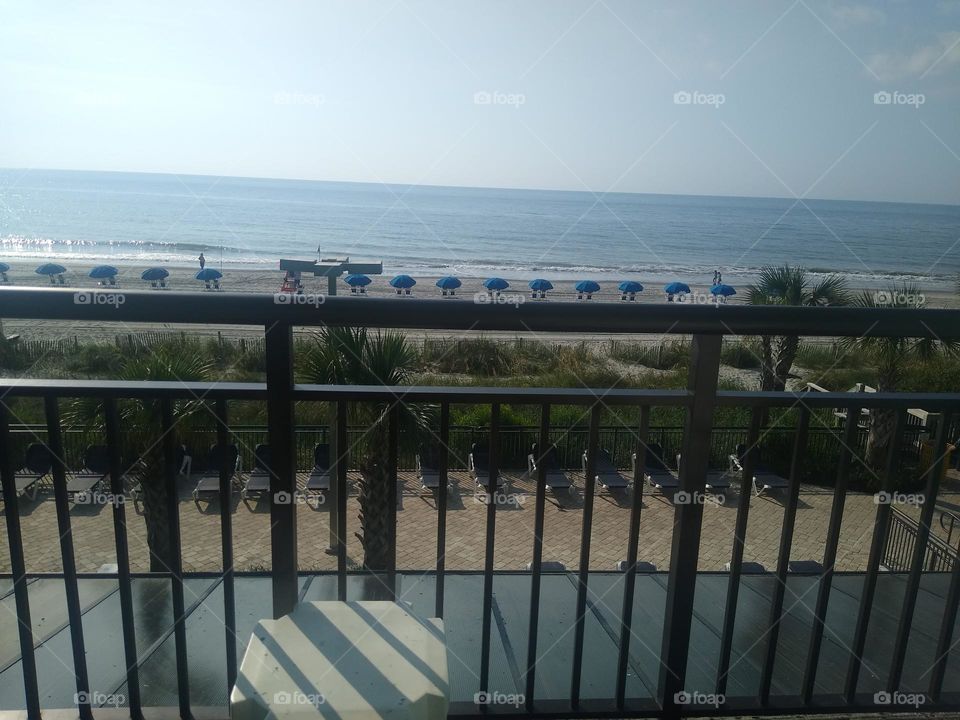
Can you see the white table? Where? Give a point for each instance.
(346, 660)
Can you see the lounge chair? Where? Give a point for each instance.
(805, 567)
(763, 477)
(96, 469)
(656, 471)
(318, 482)
(642, 566)
(220, 457)
(428, 467)
(549, 566)
(37, 464)
(479, 465)
(606, 472)
(748, 567)
(557, 477)
(258, 481)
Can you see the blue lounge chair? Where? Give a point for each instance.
(557, 477)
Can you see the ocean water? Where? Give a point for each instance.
(143, 219)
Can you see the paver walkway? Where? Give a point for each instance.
(466, 530)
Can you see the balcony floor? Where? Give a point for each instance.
(205, 634)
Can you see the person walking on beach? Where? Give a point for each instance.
(203, 261)
(716, 275)
(719, 278)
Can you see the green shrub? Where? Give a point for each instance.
(744, 354)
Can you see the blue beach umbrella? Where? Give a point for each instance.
(541, 285)
(630, 286)
(496, 283)
(101, 272)
(722, 289)
(587, 286)
(403, 282)
(676, 288)
(208, 274)
(4, 267)
(356, 280)
(449, 283)
(51, 269)
(155, 273)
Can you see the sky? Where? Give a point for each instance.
(803, 98)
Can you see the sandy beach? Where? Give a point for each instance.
(261, 279)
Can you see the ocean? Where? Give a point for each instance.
(149, 219)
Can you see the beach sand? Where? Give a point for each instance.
(268, 280)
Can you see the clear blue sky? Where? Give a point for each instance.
(581, 93)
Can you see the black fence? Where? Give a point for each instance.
(823, 444)
(699, 400)
(901, 546)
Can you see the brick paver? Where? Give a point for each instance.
(466, 530)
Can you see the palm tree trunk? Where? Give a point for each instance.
(153, 487)
(374, 499)
(786, 353)
(882, 424)
(766, 366)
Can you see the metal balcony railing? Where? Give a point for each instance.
(700, 399)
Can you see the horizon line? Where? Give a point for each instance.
(479, 187)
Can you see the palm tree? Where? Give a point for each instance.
(351, 356)
(892, 357)
(143, 441)
(788, 285)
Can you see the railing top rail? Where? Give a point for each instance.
(446, 314)
(27, 387)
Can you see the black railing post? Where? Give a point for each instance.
(878, 544)
(538, 511)
(338, 509)
(393, 450)
(702, 384)
(70, 586)
(443, 462)
(283, 479)
(28, 662)
(909, 602)
(226, 547)
(830, 555)
(124, 584)
(633, 538)
(736, 555)
(168, 442)
(797, 464)
(491, 499)
(583, 574)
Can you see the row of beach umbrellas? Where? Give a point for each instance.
(540, 285)
(107, 272)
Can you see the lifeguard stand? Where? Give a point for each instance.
(332, 268)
